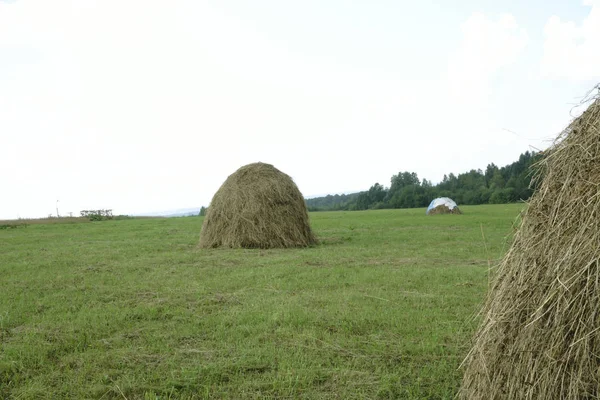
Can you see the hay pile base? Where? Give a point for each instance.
(442, 209)
(258, 206)
(540, 334)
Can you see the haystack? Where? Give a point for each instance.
(442, 205)
(540, 334)
(258, 206)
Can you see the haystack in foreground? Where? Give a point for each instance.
(258, 206)
(442, 205)
(540, 335)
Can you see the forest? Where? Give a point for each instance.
(495, 185)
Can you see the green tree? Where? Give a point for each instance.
(496, 185)
(497, 181)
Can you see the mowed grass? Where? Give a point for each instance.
(383, 308)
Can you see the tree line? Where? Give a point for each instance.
(495, 185)
(97, 215)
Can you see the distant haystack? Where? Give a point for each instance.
(540, 334)
(258, 206)
(442, 205)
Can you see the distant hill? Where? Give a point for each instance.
(180, 212)
(331, 202)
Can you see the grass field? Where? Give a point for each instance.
(383, 308)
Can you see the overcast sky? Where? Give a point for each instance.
(144, 105)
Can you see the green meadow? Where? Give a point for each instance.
(383, 308)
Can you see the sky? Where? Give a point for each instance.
(145, 105)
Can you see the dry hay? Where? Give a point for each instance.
(258, 206)
(540, 334)
(443, 209)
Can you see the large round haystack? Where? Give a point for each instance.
(258, 206)
(540, 334)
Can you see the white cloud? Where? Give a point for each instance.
(571, 49)
(145, 104)
(148, 105)
(487, 46)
